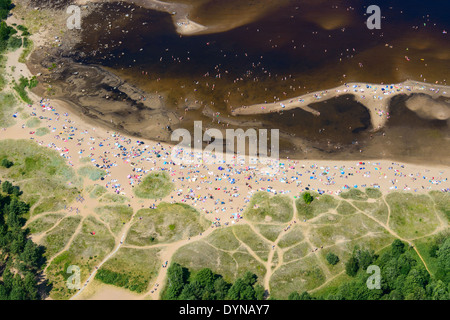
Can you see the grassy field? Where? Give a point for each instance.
(115, 216)
(86, 251)
(263, 207)
(48, 183)
(97, 191)
(114, 198)
(56, 239)
(320, 204)
(7, 108)
(40, 132)
(331, 225)
(167, 223)
(44, 222)
(132, 269)
(302, 275)
(155, 185)
(92, 173)
(412, 215)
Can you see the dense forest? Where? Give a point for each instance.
(5, 31)
(20, 258)
(403, 275)
(205, 285)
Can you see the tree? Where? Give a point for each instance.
(221, 288)
(21, 257)
(6, 163)
(5, 6)
(443, 261)
(308, 198)
(397, 247)
(352, 267)
(30, 286)
(250, 278)
(30, 254)
(365, 258)
(7, 187)
(205, 277)
(177, 278)
(259, 292)
(332, 258)
(296, 296)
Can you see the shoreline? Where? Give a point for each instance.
(178, 11)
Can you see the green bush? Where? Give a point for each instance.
(308, 198)
(6, 163)
(332, 258)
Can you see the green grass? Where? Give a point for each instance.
(3, 81)
(45, 222)
(27, 48)
(294, 236)
(349, 228)
(296, 252)
(40, 172)
(355, 194)
(33, 123)
(320, 204)
(263, 207)
(270, 231)
(155, 185)
(14, 43)
(223, 239)
(85, 251)
(302, 275)
(57, 239)
(198, 255)
(245, 262)
(7, 108)
(113, 198)
(92, 173)
(377, 209)
(21, 88)
(412, 215)
(256, 243)
(345, 208)
(442, 203)
(154, 227)
(132, 269)
(97, 192)
(115, 216)
(373, 193)
(423, 245)
(40, 132)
